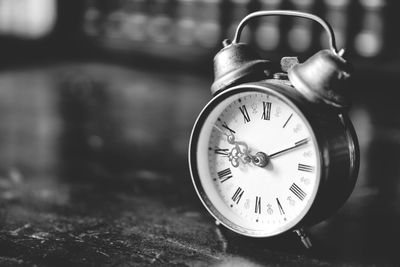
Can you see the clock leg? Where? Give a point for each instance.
(221, 237)
(305, 239)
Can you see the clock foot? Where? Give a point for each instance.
(221, 237)
(304, 238)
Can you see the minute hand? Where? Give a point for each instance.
(296, 145)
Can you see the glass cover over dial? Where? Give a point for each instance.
(255, 161)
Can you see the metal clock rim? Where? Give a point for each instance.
(256, 86)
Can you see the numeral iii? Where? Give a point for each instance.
(305, 168)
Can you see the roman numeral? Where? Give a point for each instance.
(245, 113)
(238, 195)
(266, 111)
(227, 127)
(257, 207)
(302, 142)
(225, 175)
(298, 191)
(280, 207)
(287, 120)
(305, 168)
(221, 151)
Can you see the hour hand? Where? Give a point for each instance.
(296, 145)
(230, 138)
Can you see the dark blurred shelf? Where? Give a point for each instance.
(155, 52)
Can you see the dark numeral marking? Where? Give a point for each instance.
(257, 207)
(225, 175)
(266, 110)
(287, 120)
(221, 151)
(227, 127)
(280, 207)
(238, 195)
(246, 116)
(305, 168)
(298, 191)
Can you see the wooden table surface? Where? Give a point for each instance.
(93, 172)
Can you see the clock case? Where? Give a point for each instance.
(320, 95)
(317, 88)
(335, 137)
(336, 140)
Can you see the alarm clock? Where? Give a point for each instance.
(273, 153)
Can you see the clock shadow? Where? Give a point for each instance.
(279, 248)
(270, 166)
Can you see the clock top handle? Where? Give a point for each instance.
(289, 13)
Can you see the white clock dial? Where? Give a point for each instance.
(257, 161)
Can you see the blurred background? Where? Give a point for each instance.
(97, 101)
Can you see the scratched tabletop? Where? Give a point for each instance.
(93, 172)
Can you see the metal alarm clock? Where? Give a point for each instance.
(275, 153)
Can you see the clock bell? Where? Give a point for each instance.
(320, 78)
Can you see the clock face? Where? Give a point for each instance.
(255, 162)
